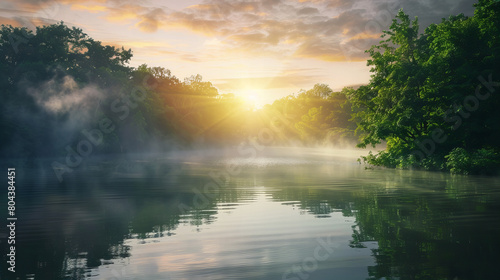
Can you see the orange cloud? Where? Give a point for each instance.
(274, 29)
(365, 35)
(91, 8)
(123, 13)
(151, 21)
(36, 5)
(10, 21)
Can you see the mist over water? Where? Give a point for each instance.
(237, 158)
(217, 214)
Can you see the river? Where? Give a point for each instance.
(276, 214)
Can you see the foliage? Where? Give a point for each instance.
(482, 161)
(432, 92)
(313, 117)
(46, 77)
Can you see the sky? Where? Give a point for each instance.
(259, 49)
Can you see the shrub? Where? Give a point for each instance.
(482, 161)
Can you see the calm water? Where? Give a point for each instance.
(287, 215)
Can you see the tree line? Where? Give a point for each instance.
(60, 86)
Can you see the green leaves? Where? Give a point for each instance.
(418, 78)
(482, 161)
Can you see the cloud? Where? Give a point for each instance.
(32, 13)
(433, 11)
(329, 30)
(307, 11)
(332, 3)
(342, 4)
(333, 51)
(124, 13)
(283, 28)
(10, 21)
(150, 21)
(194, 22)
(47, 7)
(89, 8)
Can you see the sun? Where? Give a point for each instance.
(252, 98)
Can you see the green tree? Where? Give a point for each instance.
(423, 98)
(53, 64)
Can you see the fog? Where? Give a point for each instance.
(65, 127)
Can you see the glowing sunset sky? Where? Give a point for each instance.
(268, 48)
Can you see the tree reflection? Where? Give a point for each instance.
(427, 225)
(424, 235)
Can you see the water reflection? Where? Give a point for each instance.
(384, 224)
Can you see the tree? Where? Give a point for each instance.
(391, 104)
(55, 64)
(422, 99)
